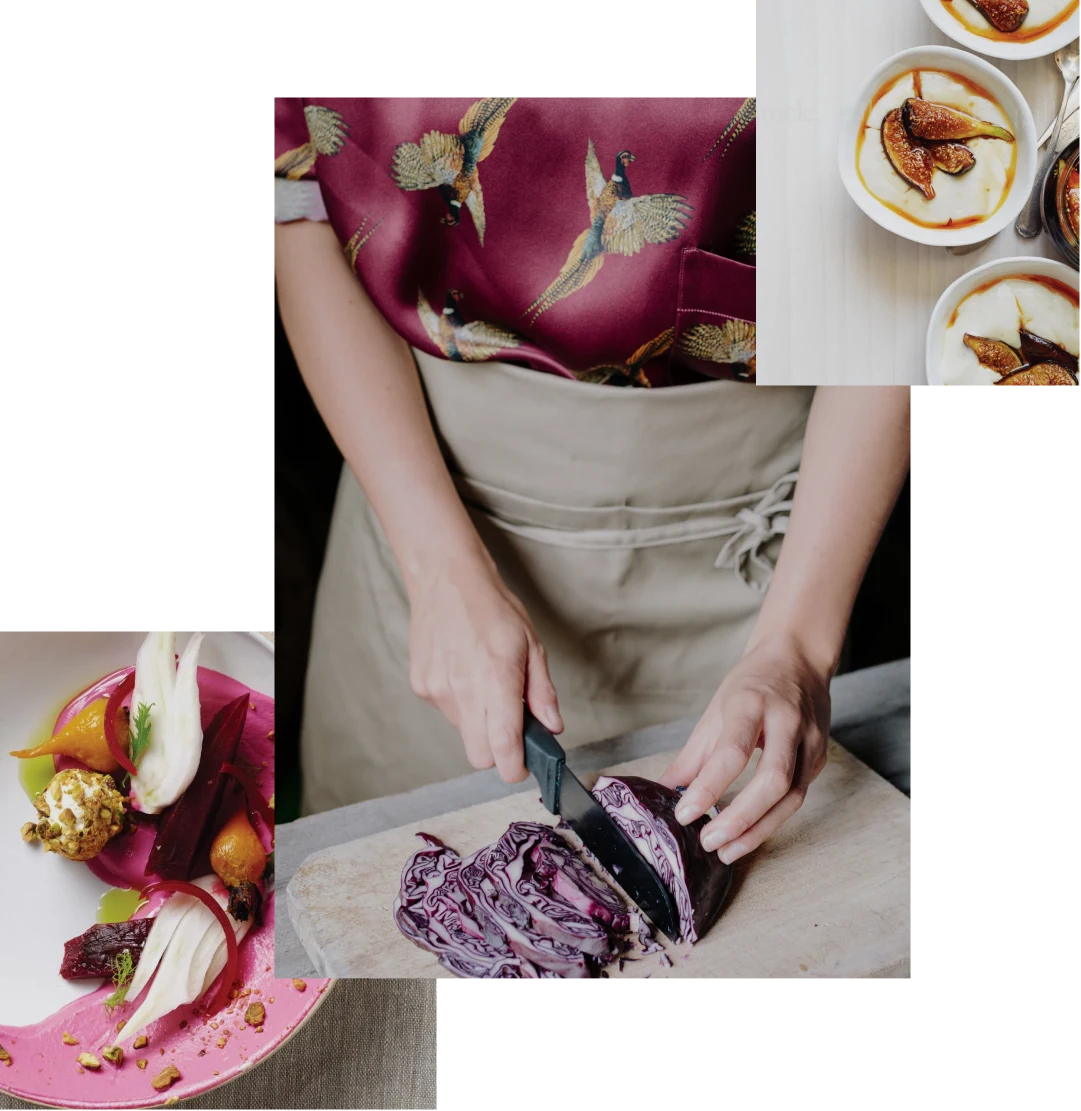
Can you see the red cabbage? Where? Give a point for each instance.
(697, 879)
(525, 907)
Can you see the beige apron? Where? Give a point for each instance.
(638, 527)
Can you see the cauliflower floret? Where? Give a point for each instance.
(80, 811)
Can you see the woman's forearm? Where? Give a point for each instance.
(364, 381)
(855, 458)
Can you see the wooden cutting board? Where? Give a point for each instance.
(826, 896)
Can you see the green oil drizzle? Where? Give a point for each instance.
(118, 905)
(35, 773)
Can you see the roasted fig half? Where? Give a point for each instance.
(937, 122)
(1073, 211)
(1036, 349)
(1003, 15)
(911, 161)
(951, 158)
(1043, 374)
(994, 354)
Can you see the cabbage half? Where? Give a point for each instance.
(697, 879)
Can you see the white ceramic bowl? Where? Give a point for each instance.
(1064, 33)
(956, 293)
(1004, 91)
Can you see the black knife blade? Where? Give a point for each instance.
(563, 793)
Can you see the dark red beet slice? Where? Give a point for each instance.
(91, 955)
(186, 826)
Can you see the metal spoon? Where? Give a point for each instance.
(1028, 224)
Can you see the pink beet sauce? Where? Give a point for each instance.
(44, 1069)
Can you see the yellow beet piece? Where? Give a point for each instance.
(83, 739)
(237, 854)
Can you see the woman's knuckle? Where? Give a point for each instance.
(778, 781)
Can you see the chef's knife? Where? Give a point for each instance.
(563, 794)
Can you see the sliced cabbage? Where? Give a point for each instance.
(525, 907)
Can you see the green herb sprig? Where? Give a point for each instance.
(123, 969)
(140, 731)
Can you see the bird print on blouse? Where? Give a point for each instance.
(631, 372)
(358, 239)
(736, 126)
(326, 135)
(449, 162)
(471, 342)
(746, 236)
(619, 223)
(732, 342)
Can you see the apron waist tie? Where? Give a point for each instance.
(750, 528)
(769, 518)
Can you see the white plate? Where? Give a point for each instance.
(1004, 91)
(1013, 51)
(48, 899)
(956, 293)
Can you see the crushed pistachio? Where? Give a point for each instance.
(255, 1015)
(140, 1042)
(300, 985)
(5, 1057)
(166, 1077)
(88, 1061)
(113, 1054)
(67, 1039)
(121, 1024)
(141, 1063)
(29, 832)
(82, 835)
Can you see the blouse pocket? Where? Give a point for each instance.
(715, 316)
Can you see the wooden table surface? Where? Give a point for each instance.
(844, 301)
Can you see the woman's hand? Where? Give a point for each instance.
(775, 699)
(475, 654)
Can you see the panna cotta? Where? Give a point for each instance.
(1010, 20)
(937, 149)
(1017, 330)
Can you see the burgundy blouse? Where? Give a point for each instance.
(477, 234)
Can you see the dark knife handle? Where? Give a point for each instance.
(544, 757)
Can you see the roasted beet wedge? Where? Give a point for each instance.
(91, 955)
(911, 161)
(186, 828)
(1004, 15)
(938, 122)
(1036, 349)
(1043, 374)
(994, 354)
(952, 158)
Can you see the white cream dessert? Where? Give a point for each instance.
(1008, 20)
(999, 311)
(959, 198)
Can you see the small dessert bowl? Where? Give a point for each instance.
(994, 302)
(965, 206)
(1049, 25)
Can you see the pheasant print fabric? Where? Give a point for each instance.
(465, 221)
